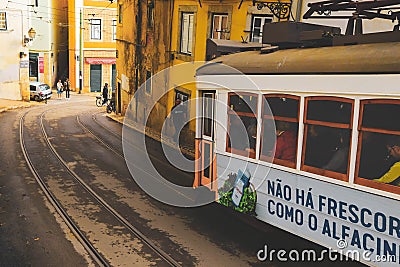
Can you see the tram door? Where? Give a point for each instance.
(206, 145)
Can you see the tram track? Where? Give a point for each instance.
(134, 230)
(93, 252)
(105, 128)
(121, 155)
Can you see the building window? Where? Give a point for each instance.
(120, 10)
(148, 82)
(257, 25)
(181, 95)
(184, 97)
(219, 28)
(95, 29)
(280, 124)
(3, 21)
(114, 29)
(242, 124)
(327, 134)
(186, 42)
(378, 155)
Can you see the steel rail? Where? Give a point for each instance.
(136, 147)
(88, 246)
(101, 201)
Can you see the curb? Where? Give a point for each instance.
(4, 109)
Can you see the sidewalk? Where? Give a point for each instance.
(6, 104)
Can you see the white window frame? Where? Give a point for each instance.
(219, 30)
(3, 20)
(187, 24)
(258, 39)
(95, 29)
(114, 29)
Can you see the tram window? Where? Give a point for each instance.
(279, 143)
(208, 110)
(381, 116)
(329, 111)
(327, 135)
(282, 106)
(327, 148)
(378, 155)
(242, 124)
(243, 103)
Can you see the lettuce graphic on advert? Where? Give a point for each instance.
(239, 193)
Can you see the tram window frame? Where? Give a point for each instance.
(380, 136)
(231, 112)
(292, 120)
(329, 126)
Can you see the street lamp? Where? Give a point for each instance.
(31, 36)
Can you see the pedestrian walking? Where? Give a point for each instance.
(67, 88)
(59, 89)
(105, 93)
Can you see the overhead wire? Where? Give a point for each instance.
(64, 9)
(75, 13)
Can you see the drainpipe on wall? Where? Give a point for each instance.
(138, 52)
(170, 30)
(24, 72)
(171, 56)
(80, 50)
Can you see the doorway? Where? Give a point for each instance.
(206, 145)
(95, 77)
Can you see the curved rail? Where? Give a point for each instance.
(102, 202)
(95, 255)
(136, 147)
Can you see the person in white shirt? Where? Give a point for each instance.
(59, 89)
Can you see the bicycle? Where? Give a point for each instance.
(99, 100)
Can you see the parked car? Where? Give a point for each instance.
(40, 91)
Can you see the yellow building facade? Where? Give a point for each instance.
(179, 35)
(92, 44)
(226, 20)
(143, 49)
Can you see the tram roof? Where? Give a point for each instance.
(375, 58)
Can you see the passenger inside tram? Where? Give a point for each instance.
(242, 133)
(320, 146)
(252, 136)
(373, 159)
(286, 141)
(237, 133)
(392, 176)
(339, 160)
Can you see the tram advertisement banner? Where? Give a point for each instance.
(237, 192)
(335, 216)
